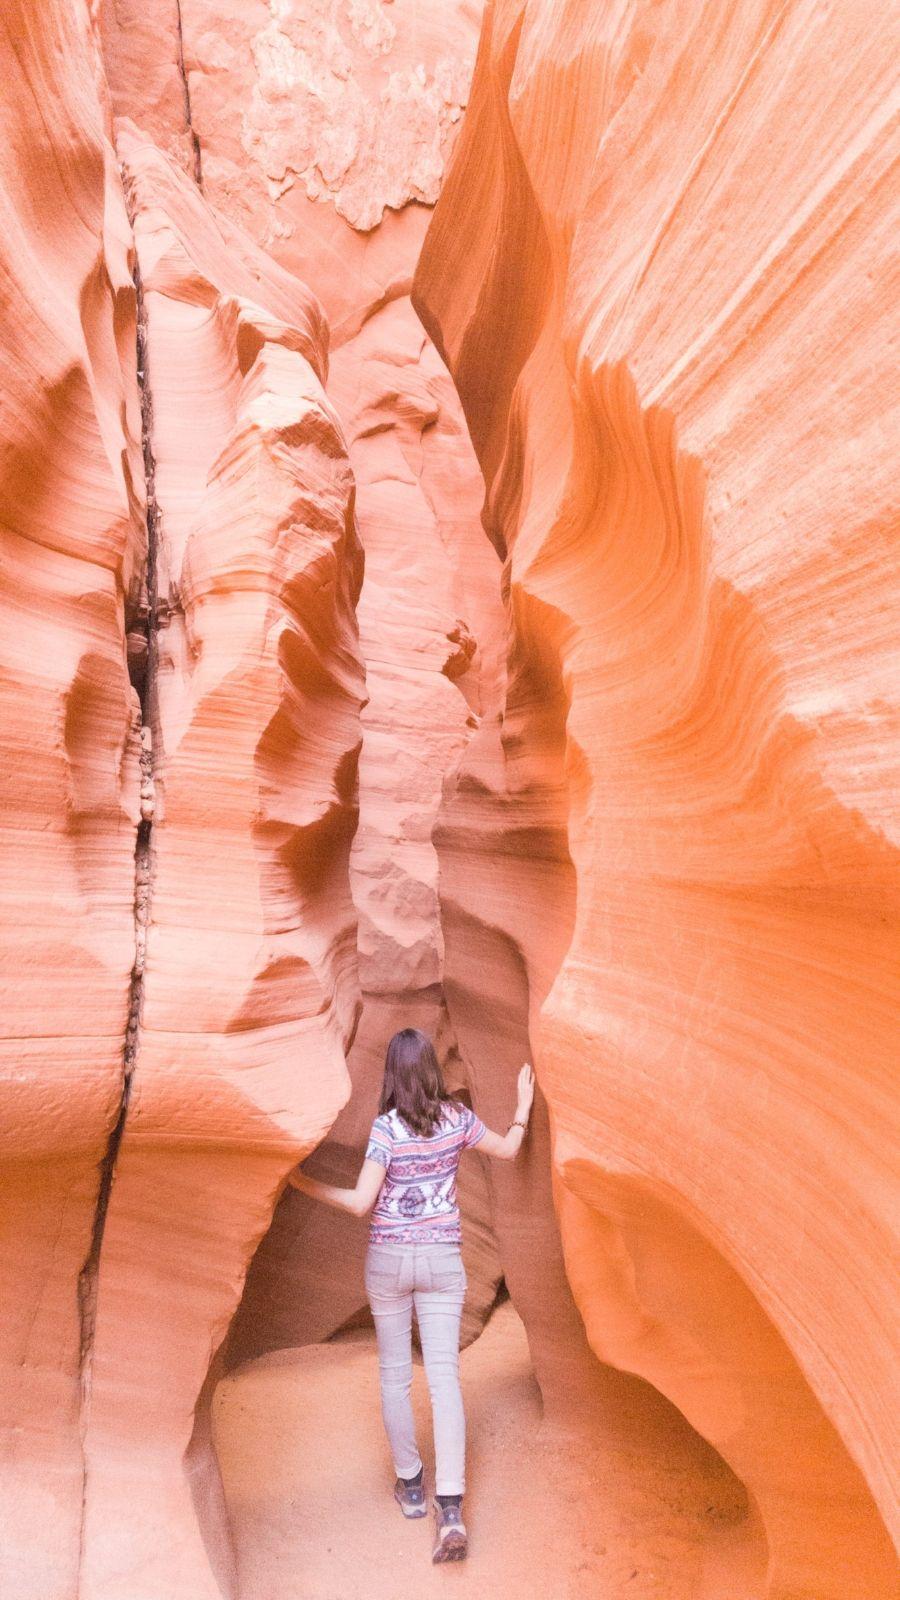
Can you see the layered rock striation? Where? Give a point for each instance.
(71, 535)
(602, 774)
(182, 688)
(255, 719)
(322, 128)
(670, 231)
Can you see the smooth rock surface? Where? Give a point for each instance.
(71, 518)
(625, 781)
(670, 228)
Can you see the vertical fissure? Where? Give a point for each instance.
(142, 668)
(188, 122)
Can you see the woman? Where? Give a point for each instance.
(414, 1259)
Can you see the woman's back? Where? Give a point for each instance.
(410, 1178)
(417, 1202)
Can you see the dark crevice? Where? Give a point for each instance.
(141, 628)
(195, 142)
(500, 1299)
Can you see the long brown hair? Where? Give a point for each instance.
(413, 1083)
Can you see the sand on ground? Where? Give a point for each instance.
(626, 1501)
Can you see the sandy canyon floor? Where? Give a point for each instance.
(626, 1500)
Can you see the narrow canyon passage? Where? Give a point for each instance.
(446, 514)
(297, 1429)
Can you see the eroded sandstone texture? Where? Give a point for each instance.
(620, 792)
(372, 141)
(323, 127)
(182, 688)
(256, 721)
(418, 494)
(669, 229)
(71, 524)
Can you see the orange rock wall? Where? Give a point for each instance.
(624, 775)
(246, 782)
(240, 1066)
(322, 129)
(71, 521)
(668, 228)
(181, 936)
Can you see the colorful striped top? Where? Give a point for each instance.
(417, 1202)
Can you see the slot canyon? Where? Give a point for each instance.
(447, 506)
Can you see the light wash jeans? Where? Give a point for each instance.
(431, 1277)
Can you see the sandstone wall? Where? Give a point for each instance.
(626, 768)
(322, 128)
(669, 229)
(250, 978)
(71, 521)
(331, 180)
(182, 688)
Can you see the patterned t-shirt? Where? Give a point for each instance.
(417, 1202)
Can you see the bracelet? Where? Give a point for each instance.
(517, 1124)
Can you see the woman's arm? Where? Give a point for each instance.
(357, 1201)
(506, 1146)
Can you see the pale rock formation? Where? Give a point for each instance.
(322, 128)
(507, 893)
(240, 1067)
(71, 519)
(658, 272)
(143, 55)
(128, 1221)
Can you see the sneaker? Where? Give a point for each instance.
(450, 1534)
(410, 1497)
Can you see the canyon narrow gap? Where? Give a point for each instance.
(447, 508)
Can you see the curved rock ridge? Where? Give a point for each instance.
(71, 530)
(618, 791)
(658, 273)
(255, 712)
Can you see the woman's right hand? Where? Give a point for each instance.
(525, 1090)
